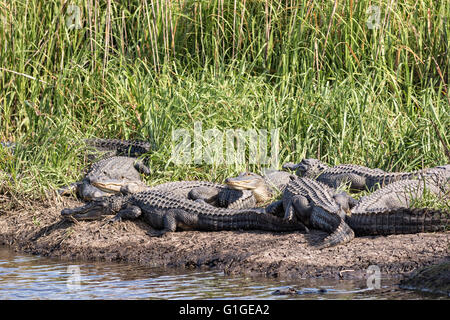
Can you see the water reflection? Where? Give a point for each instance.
(34, 277)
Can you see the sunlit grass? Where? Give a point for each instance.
(337, 90)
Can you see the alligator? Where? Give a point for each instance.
(8, 145)
(358, 177)
(307, 202)
(320, 207)
(167, 212)
(390, 210)
(109, 176)
(402, 194)
(215, 194)
(115, 147)
(247, 190)
(264, 188)
(384, 212)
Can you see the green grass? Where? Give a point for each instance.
(337, 90)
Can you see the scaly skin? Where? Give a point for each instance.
(401, 194)
(116, 147)
(359, 177)
(398, 221)
(319, 207)
(215, 194)
(389, 210)
(167, 212)
(110, 176)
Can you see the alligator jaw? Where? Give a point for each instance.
(253, 182)
(108, 186)
(91, 211)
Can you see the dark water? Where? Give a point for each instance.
(33, 277)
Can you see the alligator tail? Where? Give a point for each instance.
(399, 221)
(342, 234)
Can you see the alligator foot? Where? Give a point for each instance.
(157, 233)
(116, 219)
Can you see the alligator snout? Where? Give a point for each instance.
(90, 211)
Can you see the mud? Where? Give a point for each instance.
(38, 229)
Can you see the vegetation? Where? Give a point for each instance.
(341, 82)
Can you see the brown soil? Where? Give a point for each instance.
(39, 230)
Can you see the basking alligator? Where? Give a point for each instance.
(109, 176)
(402, 194)
(215, 194)
(263, 187)
(116, 147)
(384, 212)
(359, 177)
(389, 210)
(167, 212)
(319, 207)
(306, 201)
(248, 190)
(118, 170)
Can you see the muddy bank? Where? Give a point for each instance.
(39, 230)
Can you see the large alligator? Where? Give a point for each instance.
(403, 194)
(386, 211)
(306, 201)
(110, 176)
(318, 207)
(358, 177)
(167, 212)
(391, 210)
(256, 190)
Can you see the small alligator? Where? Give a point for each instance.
(358, 177)
(389, 210)
(167, 212)
(118, 170)
(109, 176)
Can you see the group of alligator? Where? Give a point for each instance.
(309, 200)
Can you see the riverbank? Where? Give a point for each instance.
(38, 229)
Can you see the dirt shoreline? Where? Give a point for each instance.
(39, 230)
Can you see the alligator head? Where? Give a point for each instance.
(114, 186)
(310, 168)
(251, 181)
(95, 209)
